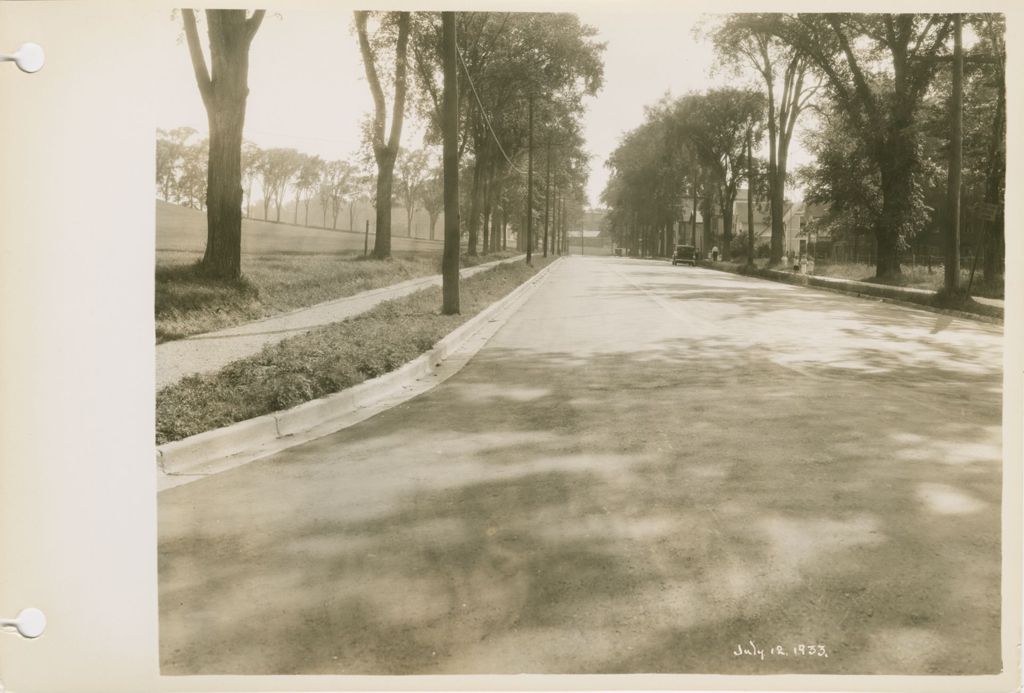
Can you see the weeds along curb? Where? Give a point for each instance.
(246, 441)
(901, 295)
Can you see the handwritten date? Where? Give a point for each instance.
(752, 649)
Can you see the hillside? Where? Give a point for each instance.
(180, 229)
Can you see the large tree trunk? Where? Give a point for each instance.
(896, 164)
(888, 263)
(224, 90)
(385, 150)
(433, 224)
(777, 203)
(385, 181)
(223, 256)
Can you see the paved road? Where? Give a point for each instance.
(211, 351)
(644, 468)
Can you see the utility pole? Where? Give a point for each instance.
(565, 227)
(547, 195)
(750, 201)
(693, 214)
(450, 162)
(529, 189)
(555, 248)
(952, 279)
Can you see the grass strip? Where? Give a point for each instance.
(188, 303)
(326, 360)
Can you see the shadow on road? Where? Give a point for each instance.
(612, 511)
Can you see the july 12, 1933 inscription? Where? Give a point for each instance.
(752, 649)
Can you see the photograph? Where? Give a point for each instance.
(621, 340)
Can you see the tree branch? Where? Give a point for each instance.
(195, 50)
(401, 66)
(252, 24)
(379, 106)
(861, 86)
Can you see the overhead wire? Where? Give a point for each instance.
(483, 112)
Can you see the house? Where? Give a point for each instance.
(795, 219)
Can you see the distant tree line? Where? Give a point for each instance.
(281, 176)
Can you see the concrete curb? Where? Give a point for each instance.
(246, 441)
(901, 295)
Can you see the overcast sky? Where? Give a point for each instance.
(308, 90)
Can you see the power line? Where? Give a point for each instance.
(484, 114)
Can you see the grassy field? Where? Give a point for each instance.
(327, 360)
(183, 229)
(917, 277)
(285, 268)
(188, 303)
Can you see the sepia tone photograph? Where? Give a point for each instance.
(617, 341)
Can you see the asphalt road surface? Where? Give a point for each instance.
(647, 468)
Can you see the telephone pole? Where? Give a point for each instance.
(547, 195)
(450, 158)
(956, 157)
(529, 189)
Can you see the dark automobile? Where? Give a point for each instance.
(685, 253)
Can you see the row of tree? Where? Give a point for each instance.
(518, 81)
(283, 175)
(687, 158)
(884, 98)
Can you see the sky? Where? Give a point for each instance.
(308, 90)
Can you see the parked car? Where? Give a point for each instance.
(684, 254)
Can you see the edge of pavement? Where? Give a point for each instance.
(902, 295)
(211, 452)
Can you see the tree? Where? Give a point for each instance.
(432, 198)
(324, 192)
(845, 178)
(193, 175)
(385, 150)
(276, 168)
(508, 61)
(224, 89)
(747, 38)
(336, 188)
(878, 68)
(413, 169)
(251, 157)
(716, 124)
(306, 181)
(171, 148)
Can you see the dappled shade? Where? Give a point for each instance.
(639, 472)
